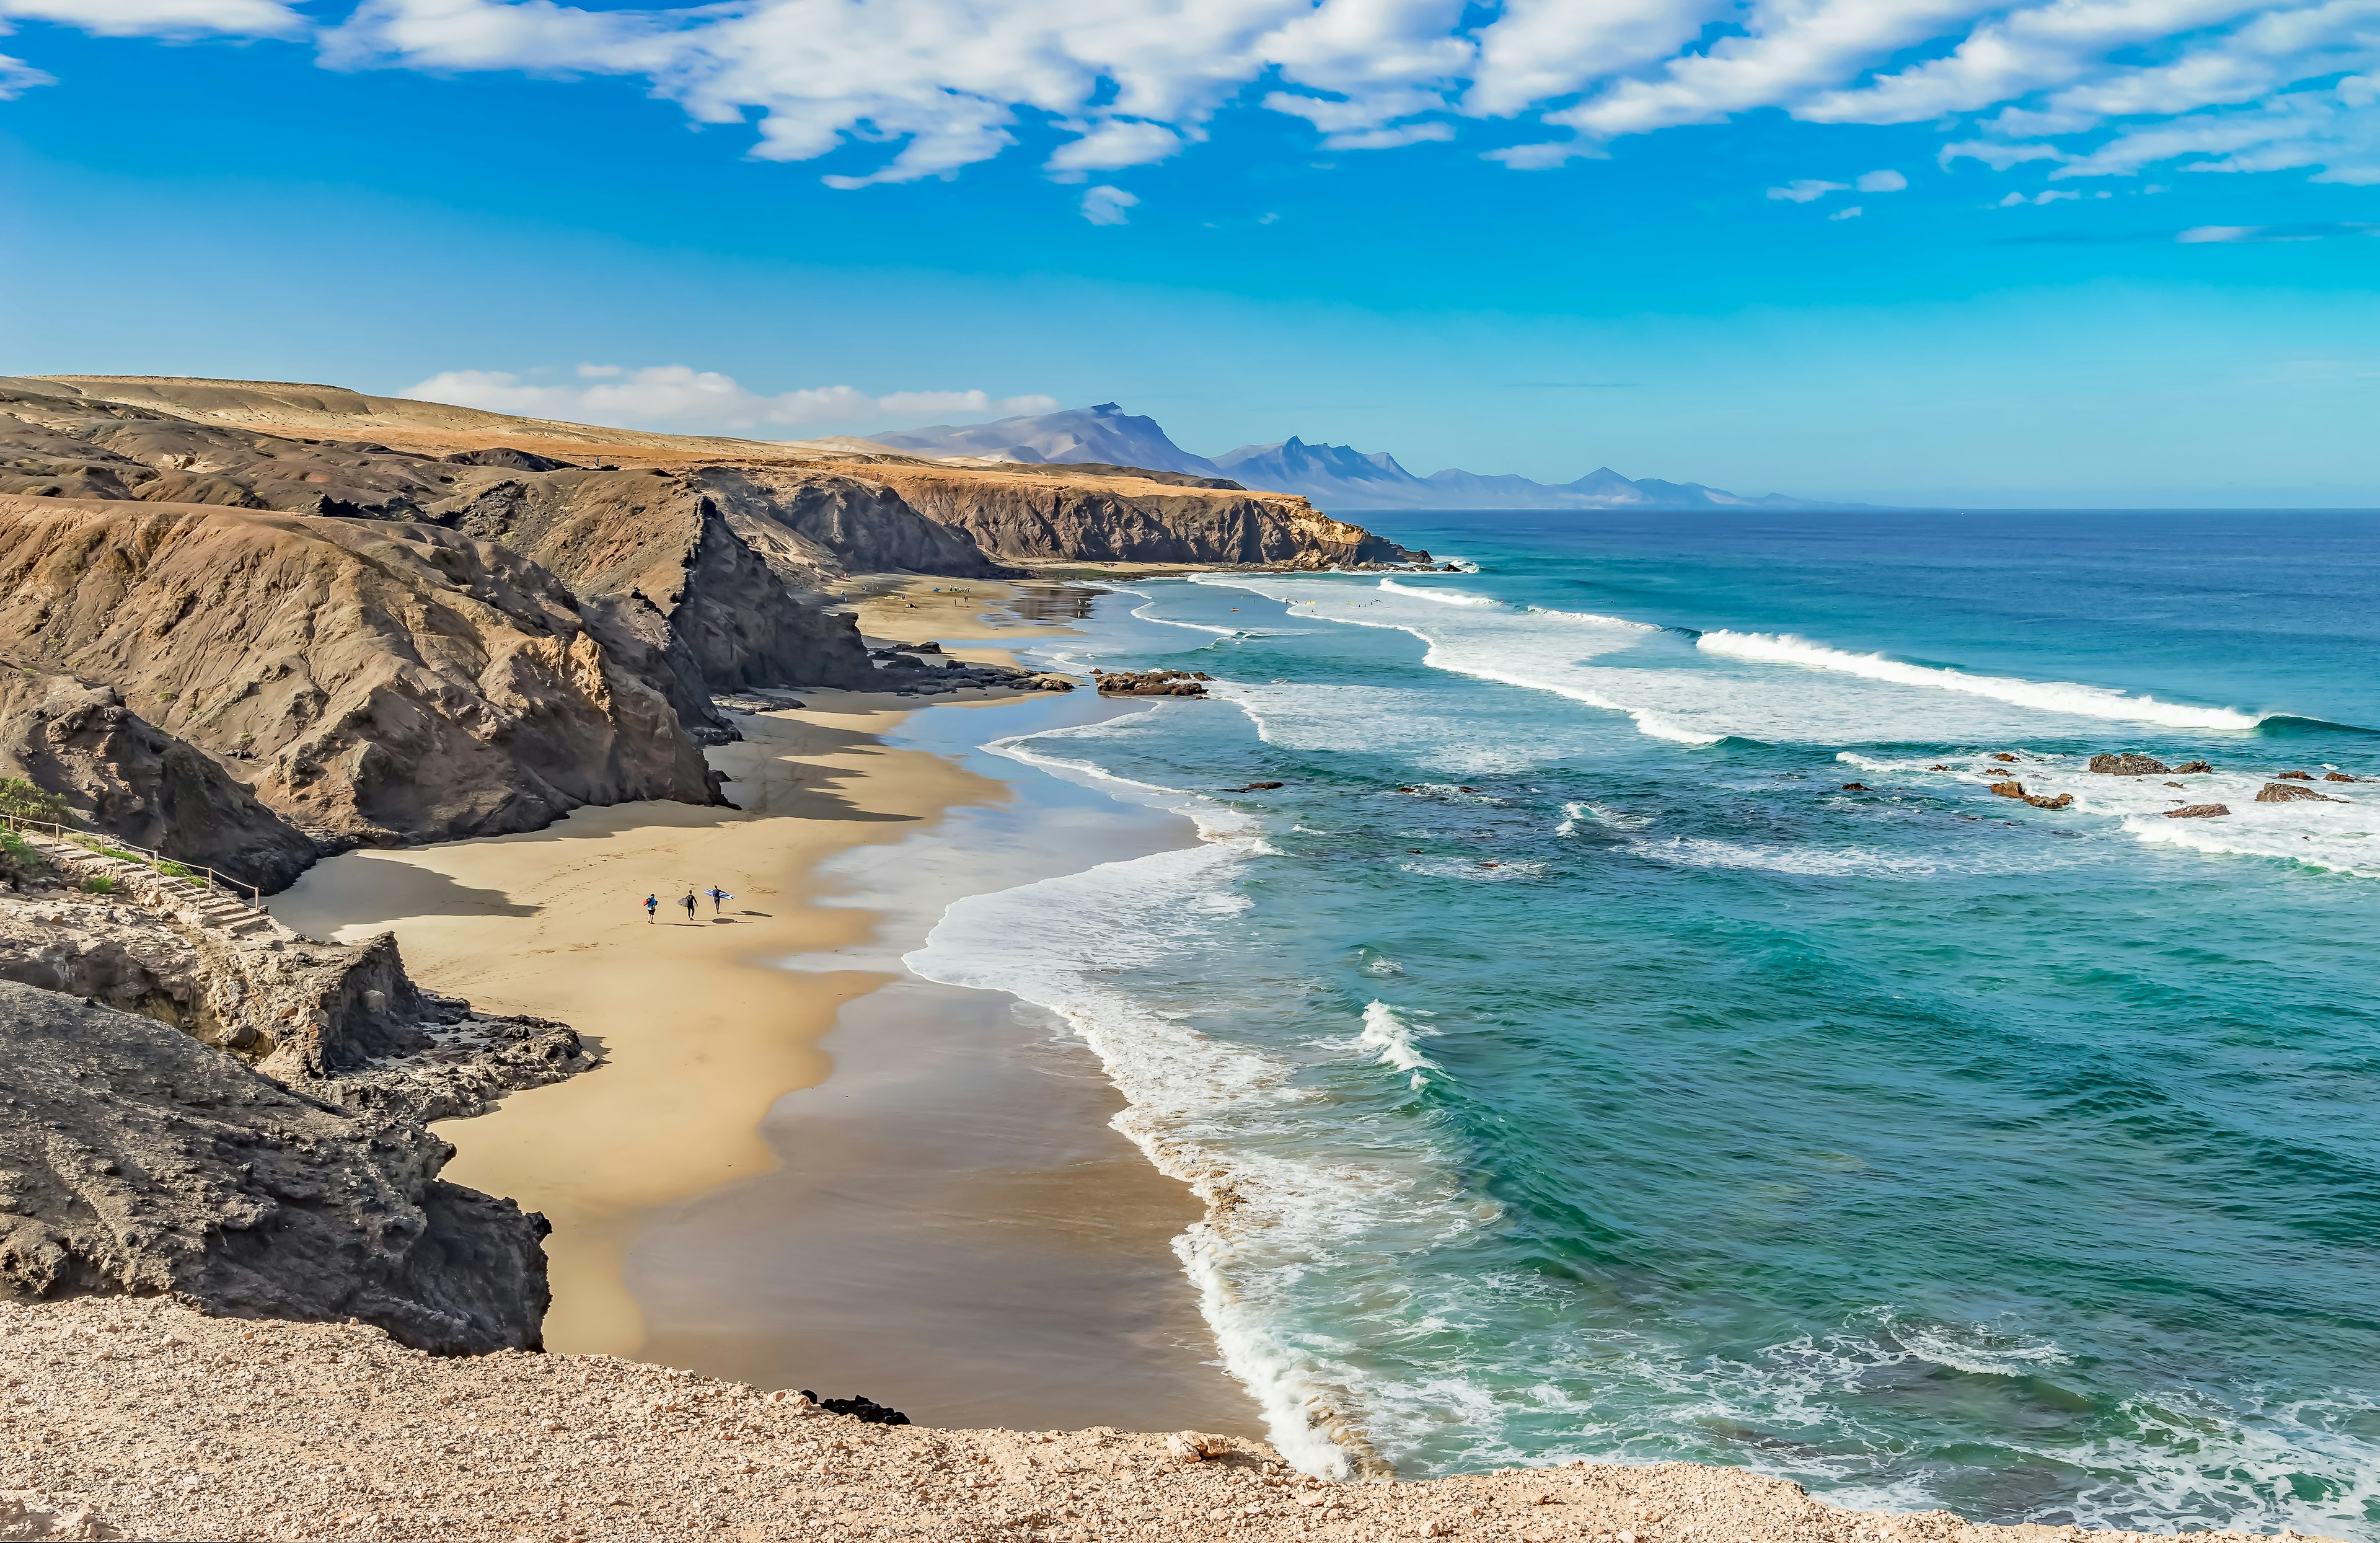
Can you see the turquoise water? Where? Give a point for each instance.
(1575, 1068)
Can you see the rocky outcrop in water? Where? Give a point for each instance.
(2291, 793)
(1150, 683)
(2129, 764)
(2198, 811)
(382, 682)
(122, 776)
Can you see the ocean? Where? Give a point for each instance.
(1634, 1029)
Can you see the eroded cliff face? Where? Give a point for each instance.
(123, 777)
(656, 542)
(1049, 515)
(384, 681)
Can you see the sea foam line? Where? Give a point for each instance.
(2067, 697)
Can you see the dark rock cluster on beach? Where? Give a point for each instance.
(1152, 683)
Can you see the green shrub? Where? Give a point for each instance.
(22, 800)
(173, 870)
(101, 884)
(20, 864)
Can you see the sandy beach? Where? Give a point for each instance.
(704, 1218)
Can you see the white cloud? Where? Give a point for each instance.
(1807, 188)
(17, 77)
(679, 397)
(2104, 87)
(1886, 181)
(161, 18)
(2050, 196)
(1851, 212)
(1104, 205)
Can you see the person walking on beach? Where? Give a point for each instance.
(688, 902)
(652, 904)
(718, 897)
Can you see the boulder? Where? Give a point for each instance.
(2062, 801)
(2198, 811)
(2009, 790)
(2191, 766)
(2295, 776)
(2002, 755)
(2129, 764)
(2339, 777)
(2288, 793)
(860, 1407)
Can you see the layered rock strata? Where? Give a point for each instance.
(382, 682)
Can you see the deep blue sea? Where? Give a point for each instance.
(1575, 1066)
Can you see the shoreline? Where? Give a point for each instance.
(707, 1210)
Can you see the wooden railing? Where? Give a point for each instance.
(248, 894)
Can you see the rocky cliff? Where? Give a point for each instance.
(122, 776)
(382, 682)
(863, 509)
(1058, 514)
(210, 1105)
(138, 1161)
(658, 542)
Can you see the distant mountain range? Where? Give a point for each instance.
(1331, 477)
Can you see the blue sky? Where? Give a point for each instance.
(2106, 251)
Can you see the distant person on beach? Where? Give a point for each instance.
(652, 904)
(718, 897)
(688, 904)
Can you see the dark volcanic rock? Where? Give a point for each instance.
(2130, 765)
(860, 1407)
(138, 1160)
(507, 456)
(125, 777)
(2198, 811)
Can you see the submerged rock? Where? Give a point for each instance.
(2129, 764)
(2339, 777)
(2295, 776)
(2198, 811)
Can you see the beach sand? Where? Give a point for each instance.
(944, 1219)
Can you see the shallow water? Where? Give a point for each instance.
(1589, 1072)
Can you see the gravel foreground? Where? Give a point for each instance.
(142, 1418)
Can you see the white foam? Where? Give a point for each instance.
(2339, 832)
(2059, 697)
(1389, 1035)
(1443, 597)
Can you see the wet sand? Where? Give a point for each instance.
(788, 1173)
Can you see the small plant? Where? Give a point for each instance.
(173, 870)
(19, 863)
(21, 800)
(101, 885)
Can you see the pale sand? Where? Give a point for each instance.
(396, 1445)
(702, 1033)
